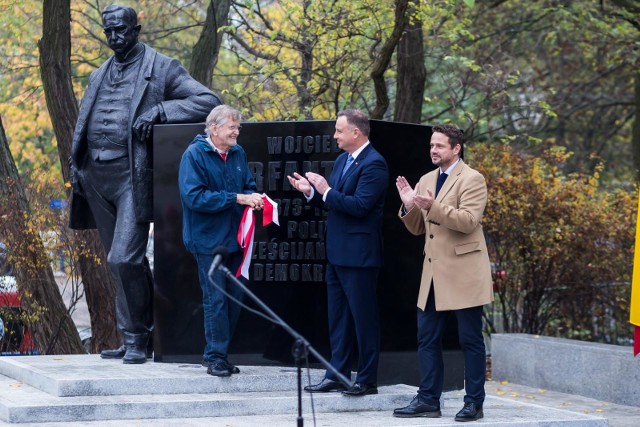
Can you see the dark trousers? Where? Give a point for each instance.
(107, 187)
(353, 318)
(431, 324)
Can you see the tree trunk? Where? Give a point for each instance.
(55, 70)
(635, 141)
(51, 326)
(381, 63)
(205, 52)
(412, 75)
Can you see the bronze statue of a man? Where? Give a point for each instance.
(112, 163)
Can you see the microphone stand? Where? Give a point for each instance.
(301, 347)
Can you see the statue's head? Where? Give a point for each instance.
(121, 27)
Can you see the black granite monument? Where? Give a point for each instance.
(287, 269)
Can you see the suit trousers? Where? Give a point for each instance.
(431, 325)
(353, 315)
(108, 190)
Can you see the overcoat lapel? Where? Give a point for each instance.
(451, 179)
(141, 83)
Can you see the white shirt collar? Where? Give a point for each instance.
(356, 153)
(450, 168)
(216, 149)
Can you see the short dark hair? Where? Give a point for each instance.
(129, 13)
(356, 118)
(456, 136)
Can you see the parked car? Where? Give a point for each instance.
(15, 337)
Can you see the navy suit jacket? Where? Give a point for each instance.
(355, 209)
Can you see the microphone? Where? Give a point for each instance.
(220, 255)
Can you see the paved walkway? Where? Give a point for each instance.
(617, 415)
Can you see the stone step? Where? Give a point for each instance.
(74, 391)
(21, 403)
(88, 375)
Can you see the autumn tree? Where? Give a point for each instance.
(206, 50)
(55, 69)
(299, 59)
(412, 73)
(40, 298)
(561, 247)
(545, 70)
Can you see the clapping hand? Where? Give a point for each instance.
(300, 183)
(407, 193)
(318, 182)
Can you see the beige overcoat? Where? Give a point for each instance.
(455, 251)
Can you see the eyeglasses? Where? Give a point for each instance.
(232, 128)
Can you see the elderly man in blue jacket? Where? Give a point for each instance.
(215, 184)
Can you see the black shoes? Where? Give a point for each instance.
(232, 368)
(220, 368)
(130, 355)
(361, 389)
(119, 353)
(135, 355)
(325, 386)
(417, 409)
(470, 412)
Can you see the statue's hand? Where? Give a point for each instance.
(76, 188)
(145, 121)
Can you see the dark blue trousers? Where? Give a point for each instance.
(353, 318)
(431, 325)
(220, 313)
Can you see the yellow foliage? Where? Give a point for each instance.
(560, 238)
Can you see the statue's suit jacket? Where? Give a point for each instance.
(163, 82)
(355, 204)
(455, 251)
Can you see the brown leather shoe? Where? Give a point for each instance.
(325, 386)
(361, 389)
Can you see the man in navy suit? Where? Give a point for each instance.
(354, 198)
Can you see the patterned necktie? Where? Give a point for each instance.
(441, 179)
(346, 165)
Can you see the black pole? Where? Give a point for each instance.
(299, 354)
(301, 346)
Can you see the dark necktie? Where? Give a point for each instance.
(441, 179)
(346, 165)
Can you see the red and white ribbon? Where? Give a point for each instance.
(270, 211)
(246, 231)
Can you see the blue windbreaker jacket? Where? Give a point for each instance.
(208, 188)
